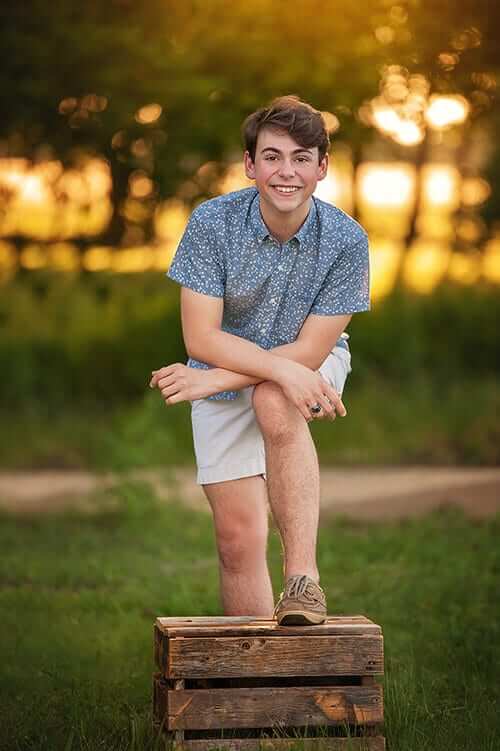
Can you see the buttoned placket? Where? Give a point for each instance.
(286, 259)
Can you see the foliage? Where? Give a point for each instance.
(71, 339)
(208, 64)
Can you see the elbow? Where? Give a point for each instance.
(196, 345)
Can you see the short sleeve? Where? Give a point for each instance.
(346, 288)
(196, 263)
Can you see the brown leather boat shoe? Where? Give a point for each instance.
(301, 603)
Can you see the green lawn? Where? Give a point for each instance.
(79, 594)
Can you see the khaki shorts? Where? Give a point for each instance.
(228, 443)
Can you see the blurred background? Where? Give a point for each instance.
(118, 120)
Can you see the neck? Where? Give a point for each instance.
(283, 226)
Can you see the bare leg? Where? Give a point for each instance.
(292, 477)
(240, 510)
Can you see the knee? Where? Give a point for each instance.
(239, 546)
(275, 414)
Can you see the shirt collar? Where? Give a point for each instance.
(262, 232)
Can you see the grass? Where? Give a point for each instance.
(452, 424)
(79, 594)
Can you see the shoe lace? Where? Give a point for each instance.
(296, 586)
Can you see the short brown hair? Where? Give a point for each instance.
(289, 113)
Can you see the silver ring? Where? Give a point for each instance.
(316, 409)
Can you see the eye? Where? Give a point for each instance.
(302, 159)
(270, 158)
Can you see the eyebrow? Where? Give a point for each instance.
(295, 151)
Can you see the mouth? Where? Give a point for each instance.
(286, 190)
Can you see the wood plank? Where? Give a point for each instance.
(198, 657)
(377, 743)
(250, 626)
(201, 709)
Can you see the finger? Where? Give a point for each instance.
(337, 402)
(180, 396)
(325, 403)
(157, 374)
(306, 412)
(166, 381)
(168, 392)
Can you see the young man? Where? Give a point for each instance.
(270, 279)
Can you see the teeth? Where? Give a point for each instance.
(285, 190)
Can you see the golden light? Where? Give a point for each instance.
(140, 148)
(170, 219)
(386, 185)
(66, 106)
(408, 133)
(163, 255)
(425, 264)
(13, 173)
(475, 190)
(234, 178)
(132, 260)
(97, 258)
(74, 185)
(32, 189)
(94, 102)
(471, 229)
(435, 224)
(332, 123)
(140, 184)
(491, 260)
(337, 187)
(385, 196)
(384, 34)
(148, 114)
(97, 175)
(135, 211)
(95, 220)
(465, 268)
(33, 256)
(440, 186)
(63, 257)
(404, 130)
(385, 260)
(385, 117)
(445, 111)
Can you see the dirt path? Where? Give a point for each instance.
(361, 492)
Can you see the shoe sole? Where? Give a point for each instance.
(299, 618)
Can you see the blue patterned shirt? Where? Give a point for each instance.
(269, 287)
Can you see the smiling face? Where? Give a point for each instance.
(285, 173)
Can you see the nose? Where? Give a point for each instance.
(286, 169)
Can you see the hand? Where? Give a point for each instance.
(305, 388)
(179, 383)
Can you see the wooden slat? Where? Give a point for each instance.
(223, 657)
(377, 743)
(201, 709)
(250, 626)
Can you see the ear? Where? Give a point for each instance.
(323, 168)
(249, 166)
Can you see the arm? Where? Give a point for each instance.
(201, 316)
(239, 362)
(304, 349)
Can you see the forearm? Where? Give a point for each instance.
(237, 355)
(228, 380)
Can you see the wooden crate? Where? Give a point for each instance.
(248, 684)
